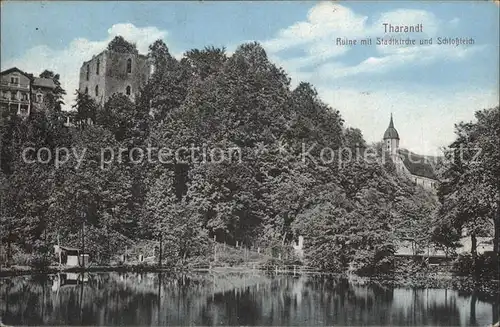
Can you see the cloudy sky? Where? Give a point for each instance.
(428, 88)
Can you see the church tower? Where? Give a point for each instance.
(416, 167)
(391, 139)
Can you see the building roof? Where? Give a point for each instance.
(14, 69)
(417, 164)
(11, 70)
(391, 132)
(67, 248)
(37, 81)
(44, 82)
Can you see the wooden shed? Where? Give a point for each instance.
(72, 257)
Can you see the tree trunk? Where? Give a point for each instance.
(161, 248)
(81, 297)
(473, 251)
(108, 250)
(83, 244)
(45, 250)
(473, 320)
(59, 250)
(159, 298)
(473, 245)
(9, 252)
(496, 224)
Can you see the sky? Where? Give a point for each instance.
(427, 88)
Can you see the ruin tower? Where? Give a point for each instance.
(112, 72)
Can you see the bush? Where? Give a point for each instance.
(486, 265)
(489, 265)
(292, 260)
(19, 256)
(272, 262)
(464, 264)
(232, 260)
(198, 261)
(39, 261)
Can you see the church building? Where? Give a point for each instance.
(417, 168)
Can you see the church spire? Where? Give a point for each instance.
(391, 132)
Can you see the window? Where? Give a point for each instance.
(97, 90)
(128, 90)
(39, 98)
(13, 108)
(97, 67)
(129, 66)
(14, 80)
(86, 90)
(88, 71)
(13, 95)
(24, 96)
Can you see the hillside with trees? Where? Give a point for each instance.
(351, 212)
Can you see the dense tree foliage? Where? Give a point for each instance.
(85, 109)
(55, 98)
(283, 173)
(119, 44)
(470, 190)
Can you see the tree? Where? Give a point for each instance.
(86, 109)
(469, 192)
(160, 57)
(206, 62)
(25, 206)
(119, 44)
(90, 193)
(118, 116)
(175, 224)
(55, 97)
(488, 134)
(354, 138)
(167, 87)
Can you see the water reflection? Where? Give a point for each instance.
(230, 299)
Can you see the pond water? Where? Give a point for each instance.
(132, 299)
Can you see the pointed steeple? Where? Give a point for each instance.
(391, 132)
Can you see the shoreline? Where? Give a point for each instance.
(26, 270)
(446, 280)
